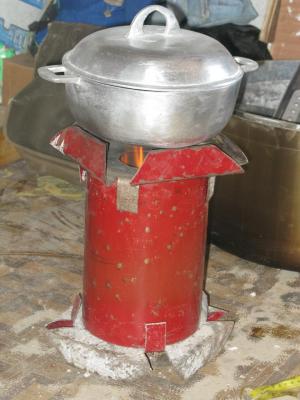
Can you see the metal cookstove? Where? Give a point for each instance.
(145, 239)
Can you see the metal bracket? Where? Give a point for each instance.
(82, 174)
(155, 336)
(210, 187)
(127, 196)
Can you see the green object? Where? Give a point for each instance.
(4, 53)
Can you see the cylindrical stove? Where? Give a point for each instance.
(145, 235)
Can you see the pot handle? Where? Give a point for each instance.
(50, 73)
(136, 27)
(246, 64)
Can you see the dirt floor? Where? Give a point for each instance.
(41, 248)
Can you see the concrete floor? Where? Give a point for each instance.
(41, 246)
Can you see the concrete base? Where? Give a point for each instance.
(182, 359)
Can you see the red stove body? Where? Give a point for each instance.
(145, 239)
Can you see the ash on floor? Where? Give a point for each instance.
(41, 249)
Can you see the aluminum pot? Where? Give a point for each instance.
(150, 85)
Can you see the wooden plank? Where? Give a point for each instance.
(267, 32)
(285, 45)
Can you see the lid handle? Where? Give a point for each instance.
(136, 27)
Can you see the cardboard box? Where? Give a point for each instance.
(286, 42)
(18, 71)
(16, 16)
(8, 152)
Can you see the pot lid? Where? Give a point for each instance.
(153, 57)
